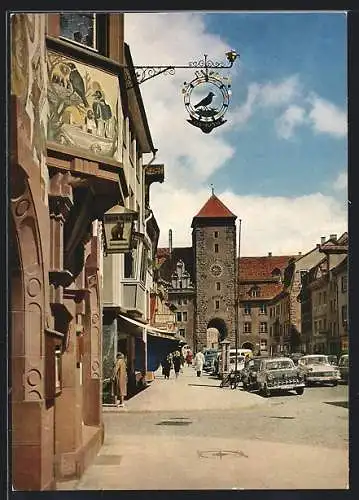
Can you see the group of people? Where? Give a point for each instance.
(177, 360)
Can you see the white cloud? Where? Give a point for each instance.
(327, 118)
(271, 94)
(341, 182)
(276, 224)
(292, 117)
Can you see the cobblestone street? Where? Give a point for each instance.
(191, 434)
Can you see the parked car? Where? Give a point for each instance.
(279, 374)
(250, 372)
(344, 367)
(209, 357)
(316, 369)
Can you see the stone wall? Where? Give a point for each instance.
(207, 295)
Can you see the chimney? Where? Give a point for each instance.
(322, 240)
(299, 253)
(333, 237)
(318, 245)
(170, 241)
(269, 254)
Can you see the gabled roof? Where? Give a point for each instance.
(214, 208)
(261, 268)
(169, 262)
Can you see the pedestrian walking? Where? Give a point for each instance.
(120, 379)
(176, 359)
(166, 366)
(189, 357)
(199, 362)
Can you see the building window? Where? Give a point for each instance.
(344, 314)
(271, 312)
(185, 302)
(130, 264)
(79, 29)
(218, 286)
(184, 316)
(324, 297)
(247, 309)
(216, 234)
(315, 327)
(216, 246)
(271, 331)
(263, 344)
(182, 331)
(217, 304)
(263, 309)
(277, 310)
(180, 284)
(344, 283)
(263, 327)
(179, 316)
(247, 327)
(179, 302)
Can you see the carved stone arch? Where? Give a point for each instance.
(28, 339)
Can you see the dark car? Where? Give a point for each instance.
(279, 374)
(249, 373)
(210, 356)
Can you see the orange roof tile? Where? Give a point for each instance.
(256, 268)
(214, 208)
(267, 291)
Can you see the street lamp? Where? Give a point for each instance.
(236, 291)
(118, 225)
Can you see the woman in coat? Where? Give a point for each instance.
(176, 359)
(166, 366)
(120, 379)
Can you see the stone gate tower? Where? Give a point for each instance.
(214, 247)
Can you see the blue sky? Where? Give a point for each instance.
(310, 45)
(280, 161)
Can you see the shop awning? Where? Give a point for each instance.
(151, 330)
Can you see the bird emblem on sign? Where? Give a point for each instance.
(207, 112)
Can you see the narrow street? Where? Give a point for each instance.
(191, 434)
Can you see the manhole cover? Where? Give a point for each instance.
(174, 422)
(284, 418)
(221, 453)
(108, 460)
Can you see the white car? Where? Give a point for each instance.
(316, 369)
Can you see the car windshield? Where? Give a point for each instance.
(279, 365)
(315, 360)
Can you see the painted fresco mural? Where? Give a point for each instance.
(82, 106)
(29, 80)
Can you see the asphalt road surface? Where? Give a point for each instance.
(190, 434)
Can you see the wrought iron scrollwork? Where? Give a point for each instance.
(144, 73)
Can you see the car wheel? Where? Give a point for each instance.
(335, 383)
(299, 391)
(245, 386)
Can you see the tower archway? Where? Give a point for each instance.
(216, 332)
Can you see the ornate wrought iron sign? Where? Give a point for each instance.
(206, 97)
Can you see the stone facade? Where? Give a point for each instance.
(58, 195)
(214, 268)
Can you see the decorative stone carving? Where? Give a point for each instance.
(33, 287)
(22, 207)
(33, 377)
